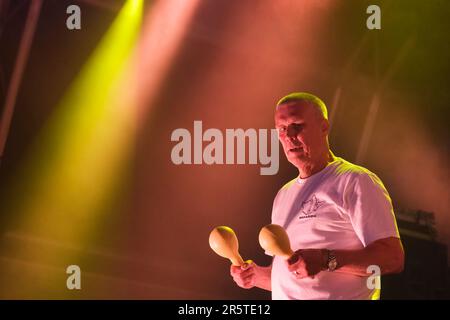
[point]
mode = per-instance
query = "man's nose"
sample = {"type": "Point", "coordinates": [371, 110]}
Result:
{"type": "Point", "coordinates": [291, 132]}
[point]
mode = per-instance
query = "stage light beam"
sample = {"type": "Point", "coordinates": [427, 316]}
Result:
{"type": "Point", "coordinates": [78, 162]}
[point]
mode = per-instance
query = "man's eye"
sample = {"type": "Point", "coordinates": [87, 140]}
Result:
{"type": "Point", "coordinates": [282, 129]}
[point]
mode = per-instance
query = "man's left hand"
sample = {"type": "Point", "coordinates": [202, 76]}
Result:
{"type": "Point", "coordinates": [307, 262]}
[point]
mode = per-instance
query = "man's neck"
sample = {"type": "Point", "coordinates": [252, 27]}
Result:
{"type": "Point", "coordinates": [313, 167]}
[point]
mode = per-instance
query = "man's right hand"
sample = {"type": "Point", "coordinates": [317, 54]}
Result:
{"type": "Point", "coordinates": [251, 275]}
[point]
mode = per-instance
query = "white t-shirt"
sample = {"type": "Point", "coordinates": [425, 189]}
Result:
{"type": "Point", "coordinates": [344, 206]}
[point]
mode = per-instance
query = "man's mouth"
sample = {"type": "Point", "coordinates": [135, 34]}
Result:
{"type": "Point", "coordinates": [296, 149]}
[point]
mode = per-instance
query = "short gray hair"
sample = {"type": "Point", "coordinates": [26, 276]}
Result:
{"type": "Point", "coordinates": [304, 96]}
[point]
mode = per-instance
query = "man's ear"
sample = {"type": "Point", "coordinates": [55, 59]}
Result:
{"type": "Point", "coordinates": [325, 127]}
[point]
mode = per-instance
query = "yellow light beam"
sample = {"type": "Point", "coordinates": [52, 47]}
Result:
{"type": "Point", "coordinates": [76, 167]}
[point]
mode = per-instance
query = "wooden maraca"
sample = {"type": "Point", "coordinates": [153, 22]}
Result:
{"type": "Point", "coordinates": [275, 241]}
{"type": "Point", "coordinates": [224, 242]}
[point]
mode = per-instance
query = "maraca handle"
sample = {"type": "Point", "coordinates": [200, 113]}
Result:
{"type": "Point", "coordinates": [288, 254]}
{"type": "Point", "coordinates": [237, 260]}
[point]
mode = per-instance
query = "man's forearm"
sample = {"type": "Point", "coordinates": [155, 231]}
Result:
{"type": "Point", "coordinates": [263, 280]}
{"type": "Point", "coordinates": [386, 254]}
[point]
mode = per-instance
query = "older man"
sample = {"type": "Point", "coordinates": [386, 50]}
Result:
{"type": "Point", "coordinates": [338, 216]}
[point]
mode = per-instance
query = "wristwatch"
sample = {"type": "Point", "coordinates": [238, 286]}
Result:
{"type": "Point", "coordinates": [331, 261]}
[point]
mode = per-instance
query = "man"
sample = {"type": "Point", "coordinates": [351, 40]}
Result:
{"type": "Point", "coordinates": [338, 216]}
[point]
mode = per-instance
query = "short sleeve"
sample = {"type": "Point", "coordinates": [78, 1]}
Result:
{"type": "Point", "coordinates": [370, 208]}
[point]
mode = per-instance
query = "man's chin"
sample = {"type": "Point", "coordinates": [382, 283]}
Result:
{"type": "Point", "coordinates": [296, 155]}
{"type": "Point", "coordinates": [298, 160]}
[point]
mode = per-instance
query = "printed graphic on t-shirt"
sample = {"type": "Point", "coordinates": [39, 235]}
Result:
{"type": "Point", "coordinates": [309, 207]}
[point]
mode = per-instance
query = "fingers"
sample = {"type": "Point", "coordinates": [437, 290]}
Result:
{"type": "Point", "coordinates": [245, 280]}
{"type": "Point", "coordinates": [247, 277]}
{"type": "Point", "coordinates": [301, 269]}
{"type": "Point", "coordinates": [244, 276]}
{"type": "Point", "coordinates": [241, 269]}
{"type": "Point", "coordinates": [294, 258]}
{"type": "Point", "coordinates": [305, 263]}
{"type": "Point", "coordinates": [241, 273]}
{"type": "Point", "coordinates": [296, 266]}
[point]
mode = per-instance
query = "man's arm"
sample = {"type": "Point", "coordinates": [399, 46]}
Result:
{"type": "Point", "coordinates": [264, 280]}
{"type": "Point", "coordinates": [386, 253]}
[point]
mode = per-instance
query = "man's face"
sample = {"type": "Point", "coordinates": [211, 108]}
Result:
{"type": "Point", "coordinates": [302, 132]}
